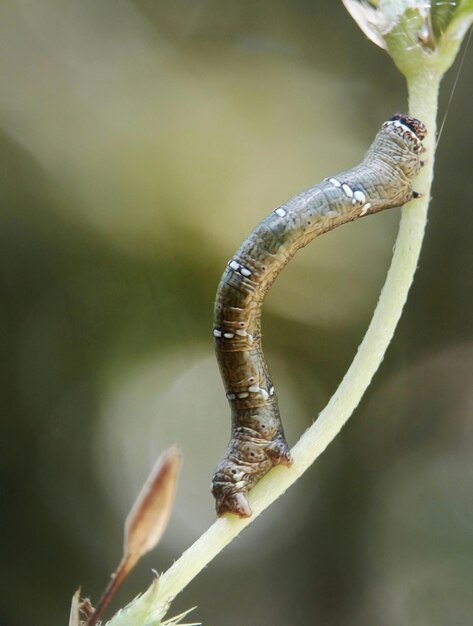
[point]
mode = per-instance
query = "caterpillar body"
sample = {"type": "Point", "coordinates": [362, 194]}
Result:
{"type": "Point", "coordinates": [381, 181]}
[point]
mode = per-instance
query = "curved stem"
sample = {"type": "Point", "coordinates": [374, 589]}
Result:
{"type": "Point", "coordinates": [423, 90]}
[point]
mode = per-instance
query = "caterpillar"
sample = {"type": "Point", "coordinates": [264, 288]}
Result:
{"type": "Point", "coordinates": [381, 181]}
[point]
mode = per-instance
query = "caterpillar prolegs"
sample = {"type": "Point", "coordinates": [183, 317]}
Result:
{"type": "Point", "coordinates": [381, 181]}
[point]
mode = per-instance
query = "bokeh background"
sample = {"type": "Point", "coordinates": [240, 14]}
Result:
{"type": "Point", "coordinates": [141, 141]}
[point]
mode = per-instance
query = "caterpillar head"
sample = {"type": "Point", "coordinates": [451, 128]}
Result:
{"type": "Point", "coordinates": [400, 145]}
{"type": "Point", "coordinates": [412, 123]}
{"type": "Point", "coordinates": [411, 130]}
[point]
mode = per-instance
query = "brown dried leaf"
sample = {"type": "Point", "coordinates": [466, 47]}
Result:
{"type": "Point", "coordinates": [150, 513]}
{"type": "Point", "coordinates": [145, 523]}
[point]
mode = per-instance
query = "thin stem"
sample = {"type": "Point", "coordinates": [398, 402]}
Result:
{"type": "Point", "coordinates": [114, 583]}
{"type": "Point", "coordinates": [423, 104]}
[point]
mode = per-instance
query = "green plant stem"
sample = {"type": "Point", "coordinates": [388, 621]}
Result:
{"type": "Point", "coordinates": [423, 88]}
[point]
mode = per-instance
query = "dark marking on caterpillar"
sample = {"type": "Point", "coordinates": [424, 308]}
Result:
{"type": "Point", "coordinates": [381, 181]}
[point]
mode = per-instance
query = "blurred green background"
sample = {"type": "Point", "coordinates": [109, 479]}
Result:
{"type": "Point", "coordinates": [141, 142]}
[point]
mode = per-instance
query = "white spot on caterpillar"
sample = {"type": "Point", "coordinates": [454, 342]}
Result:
{"type": "Point", "coordinates": [237, 267]}
{"type": "Point", "coordinates": [334, 182]}
{"type": "Point", "coordinates": [271, 391]}
{"type": "Point", "coordinates": [244, 394]}
{"type": "Point", "coordinates": [347, 190]}
{"type": "Point", "coordinates": [281, 212]}
{"type": "Point", "coordinates": [228, 335]}
{"type": "Point", "coordinates": [217, 333]}
{"type": "Point", "coordinates": [258, 389]}
{"type": "Point", "coordinates": [231, 396]}
{"type": "Point", "coordinates": [364, 208]}
{"type": "Point", "coordinates": [360, 196]}
{"type": "Point", "coordinates": [241, 333]}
